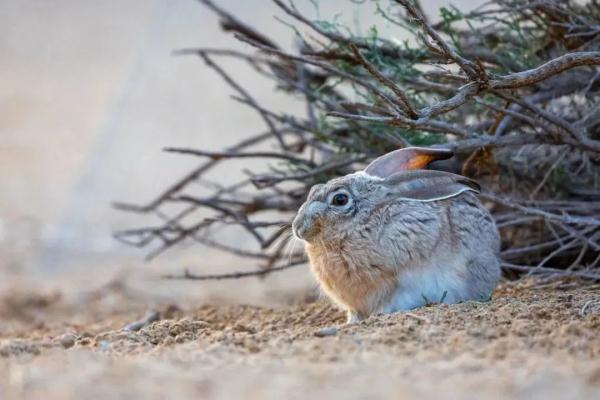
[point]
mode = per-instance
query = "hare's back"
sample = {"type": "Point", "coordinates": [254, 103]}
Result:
{"type": "Point", "coordinates": [472, 225]}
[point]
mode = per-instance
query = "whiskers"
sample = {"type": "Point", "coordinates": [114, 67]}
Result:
{"type": "Point", "coordinates": [291, 242]}
{"type": "Point", "coordinates": [288, 244]}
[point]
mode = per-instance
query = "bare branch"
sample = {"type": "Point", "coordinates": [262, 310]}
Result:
{"type": "Point", "coordinates": [402, 99]}
{"type": "Point", "coordinates": [232, 275]}
{"type": "Point", "coordinates": [545, 71]}
{"type": "Point", "coordinates": [219, 155]}
{"type": "Point", "coordinates": [415, 13]}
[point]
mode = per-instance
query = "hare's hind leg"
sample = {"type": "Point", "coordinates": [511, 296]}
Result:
{"type": "Point", "coordinates": [483, 274]}
{"type": "Point", "coordinates": [474, 231]}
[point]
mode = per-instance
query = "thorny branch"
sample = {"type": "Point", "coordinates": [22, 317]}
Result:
{"type": "Point", "coordinates": [515, 92]}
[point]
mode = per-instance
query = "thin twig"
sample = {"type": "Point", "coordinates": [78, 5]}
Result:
{"type": "Point", "coordinates": [232, 275]}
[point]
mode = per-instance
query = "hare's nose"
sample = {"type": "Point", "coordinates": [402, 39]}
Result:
{"type": "Point", "coordinates": [305, 222]}
{"type": "Point", "coordinates": [300, 227]}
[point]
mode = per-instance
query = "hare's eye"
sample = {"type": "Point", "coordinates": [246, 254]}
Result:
{"type": "Point", "coordinates": [339, 199]}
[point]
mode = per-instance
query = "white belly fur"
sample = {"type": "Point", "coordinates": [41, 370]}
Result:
{"type": "Point", "coordinates": [428, 284]}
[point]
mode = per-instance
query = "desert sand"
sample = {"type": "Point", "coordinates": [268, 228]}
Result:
{"type": "Point", "coordinates": [533, 340]}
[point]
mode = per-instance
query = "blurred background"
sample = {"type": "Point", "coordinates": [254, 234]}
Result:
{"type": "Point", "coordinates": [90, 95]}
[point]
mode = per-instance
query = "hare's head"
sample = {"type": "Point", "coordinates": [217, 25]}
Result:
{"type": "Point", "coordinates": [338, 205]}
{"type": "Point", "coordinates": [332, 206]}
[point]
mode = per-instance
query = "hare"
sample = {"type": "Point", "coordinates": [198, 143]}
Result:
{"type": "Point", "coordinates": [395, 237]}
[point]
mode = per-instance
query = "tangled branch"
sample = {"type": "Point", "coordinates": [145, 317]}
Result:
{"type": "Point", "coordinates": [515, 94]}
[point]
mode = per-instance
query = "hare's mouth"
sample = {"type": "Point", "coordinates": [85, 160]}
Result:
{"type": "Point", "coordinates": [306, 230]}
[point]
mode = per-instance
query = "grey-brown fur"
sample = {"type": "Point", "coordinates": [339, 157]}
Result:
{"type": "Point", "coordinates": [401, 241]}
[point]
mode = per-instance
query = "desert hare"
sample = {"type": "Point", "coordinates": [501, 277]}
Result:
{"type": "Point", "coordinates": [395, 237]}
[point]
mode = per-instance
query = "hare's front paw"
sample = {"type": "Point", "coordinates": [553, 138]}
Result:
{"type": "Point", "coordinates": [353, 317]}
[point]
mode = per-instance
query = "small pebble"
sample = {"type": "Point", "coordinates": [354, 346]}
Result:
{"type": "Point", "coordinates": [67, 340]}
{"type": "Point", "coordinates": [324, 332]}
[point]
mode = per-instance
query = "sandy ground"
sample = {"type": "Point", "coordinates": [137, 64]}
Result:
{"type": "Point", "coordinates": [532, 341]}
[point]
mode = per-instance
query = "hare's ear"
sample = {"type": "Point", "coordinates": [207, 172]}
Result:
{"type": "Point", "coordinates": [405, 159]}
{"type": "Point", "coordinates": [429, 185]}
